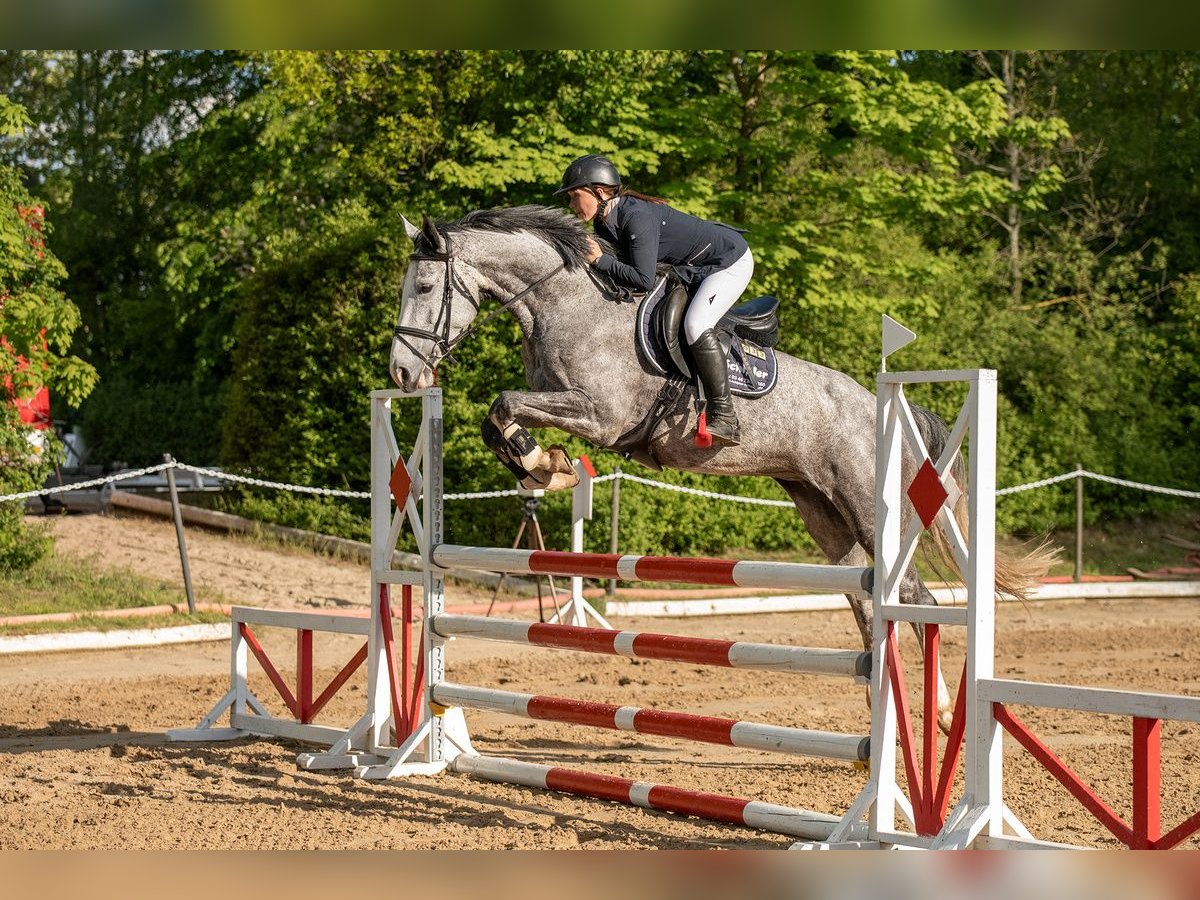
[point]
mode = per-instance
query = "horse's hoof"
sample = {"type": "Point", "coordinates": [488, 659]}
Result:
{"type": "Point", "coordinates": [562, 481]}
{"type": "Point", "coordinates": [556, 460]}
{"type": "Point", "coordinates": [945, 720]}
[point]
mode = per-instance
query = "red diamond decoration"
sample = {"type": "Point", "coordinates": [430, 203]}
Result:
{"type": "Point", "coordinates": [400, 483]}
{"type": "Point", "coordinates": [926, 493]}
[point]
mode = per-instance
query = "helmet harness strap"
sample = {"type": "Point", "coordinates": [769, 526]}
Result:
{"type": "Point", "coordinates": [601, 202]}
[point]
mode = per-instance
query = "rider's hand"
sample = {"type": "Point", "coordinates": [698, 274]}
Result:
{"type": "Point", "coordinates": [593, 252]}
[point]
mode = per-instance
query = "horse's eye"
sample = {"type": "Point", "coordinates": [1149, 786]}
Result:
{"type": "Point", "coordinates": [424, 287]}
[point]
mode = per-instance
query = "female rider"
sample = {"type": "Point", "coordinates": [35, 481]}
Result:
{"type": "Point", "coordinates": [712, 260]}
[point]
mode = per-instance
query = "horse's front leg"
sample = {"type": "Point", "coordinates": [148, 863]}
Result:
{"type": "Point", "coordinates": [506, 431]}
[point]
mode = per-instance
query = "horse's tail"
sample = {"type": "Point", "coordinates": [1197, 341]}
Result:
{"type": "Point", "coordinates": [1016, 573]}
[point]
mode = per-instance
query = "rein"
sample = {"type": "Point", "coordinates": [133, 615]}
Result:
{"type": "Point", "coordinates": [443, 344]}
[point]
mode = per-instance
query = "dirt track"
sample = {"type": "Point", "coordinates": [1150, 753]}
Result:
{"type": "Point", "coordinates": [85, 765]}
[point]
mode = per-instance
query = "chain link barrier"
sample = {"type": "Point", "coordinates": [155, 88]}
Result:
{"type": "Point", "coordinates": [696, 492]}
{"type": "Point", "coordinates": [277, 485]}
{"type": "Point", "coordinates": [1096, 476]}
{"type": "Point", "coordinates": [482, 495]}
{"type": "Point", "coordinates": [95, 482]}
{"type": "Point", "coordinates": [1033, 485]}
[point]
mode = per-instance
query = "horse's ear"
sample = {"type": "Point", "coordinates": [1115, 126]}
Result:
{"type": "Point", "coordinates": [410, 229]}
{"type": "Point", "coordinates": [435, 238]}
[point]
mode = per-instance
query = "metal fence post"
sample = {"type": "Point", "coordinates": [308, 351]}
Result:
{"type": "Point", "coordinates": [1078, 523]}
{"type": "Point", "coordinates": [178, 514]}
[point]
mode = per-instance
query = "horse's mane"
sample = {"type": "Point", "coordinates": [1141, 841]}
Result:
{"type": "Point", "coordinates": [557, 228]}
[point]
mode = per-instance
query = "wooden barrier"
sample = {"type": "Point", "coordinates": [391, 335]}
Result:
{"type": "Point", "coordinates": [707, 729]}
{"type": "Point", "coordinates": [734, 573]}
{"type": "Point", "coordinates": [249, 715]}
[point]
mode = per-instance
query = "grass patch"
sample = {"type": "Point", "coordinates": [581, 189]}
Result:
{"type": "Point", "coordinates": [1110, 548]}
{"type": "Point", "coordinates": [98, 623]}
{"type": "Point", "coordinates": [57, 584]}
{"type": "Point", "coordinates": [277, 543]}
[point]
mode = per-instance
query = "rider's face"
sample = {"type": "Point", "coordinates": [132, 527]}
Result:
{"type": "Point", "coordinates": [583, 203]}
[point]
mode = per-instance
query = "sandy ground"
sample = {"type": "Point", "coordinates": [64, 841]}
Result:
{"type": "Point", "coordinates": [84, 762]}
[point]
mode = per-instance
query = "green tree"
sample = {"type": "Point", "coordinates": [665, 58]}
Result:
{"type": "Point", "coordinates": [37, 322]}
{"type": "Point", "coordinates": [105, 157]}
{"type": "Point", "coordinates": [840, 148]}
{"type": "Point", "coordinates": [1140, 108]}
{"type": "Point", "coordinates": [1076, 312]}
{"type": "Point", "coordinates": [233, 238]}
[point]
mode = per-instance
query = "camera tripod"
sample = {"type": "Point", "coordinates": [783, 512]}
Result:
{"type": "Point", "coordinates": [535, 541]}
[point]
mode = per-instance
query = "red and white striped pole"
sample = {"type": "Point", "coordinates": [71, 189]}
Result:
{"type": "Point", "coordinates": [698, 570]}
{"type": "Point", "coordinates": [666, 647]}
{"type": "Point", "coordinates": [664, 723]}
{"type": "Point", "coordinates": [799, 823]}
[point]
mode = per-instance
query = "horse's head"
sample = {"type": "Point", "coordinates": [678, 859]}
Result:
{"type": "Point", "coordinates": [440, 299]}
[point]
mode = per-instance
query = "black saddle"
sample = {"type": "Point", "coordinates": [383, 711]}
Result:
{"type": "Point", "coordinates": [748, 334]}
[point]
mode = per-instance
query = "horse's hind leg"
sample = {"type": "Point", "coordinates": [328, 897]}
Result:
{"type": "Point", "coordinates": [913, 590]}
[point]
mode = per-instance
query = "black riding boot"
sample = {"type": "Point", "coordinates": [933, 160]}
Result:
{"type": "Point", "coordinates": [713, 371]}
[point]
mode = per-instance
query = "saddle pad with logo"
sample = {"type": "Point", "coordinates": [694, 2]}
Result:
{"type": "Point", "coordinates": [753, 370]}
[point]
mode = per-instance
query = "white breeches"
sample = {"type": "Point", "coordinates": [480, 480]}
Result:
{"type": "Point", "coordinates": [716, 294]}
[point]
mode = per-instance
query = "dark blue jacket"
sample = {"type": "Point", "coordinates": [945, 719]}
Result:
{"type": "Point", "coordinates": [645, 234]}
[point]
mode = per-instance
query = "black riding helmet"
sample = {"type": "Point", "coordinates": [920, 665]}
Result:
{"type": "Point", "coordinates": [589, 170]}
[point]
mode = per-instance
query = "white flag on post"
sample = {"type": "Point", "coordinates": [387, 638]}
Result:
{"type": "Point", "coordinates": [895, 336]}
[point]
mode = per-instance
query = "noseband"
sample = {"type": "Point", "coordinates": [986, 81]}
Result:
{"type": "Point", "coordinates": [443, 344]}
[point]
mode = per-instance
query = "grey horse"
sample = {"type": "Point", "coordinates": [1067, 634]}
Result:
{"type": "Point", "coordinates": [814, 433]}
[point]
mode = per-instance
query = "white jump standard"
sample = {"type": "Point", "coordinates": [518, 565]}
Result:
{"type": "Point", "coordinates": [247, 714]}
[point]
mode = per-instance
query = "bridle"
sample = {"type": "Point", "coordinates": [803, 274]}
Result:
{"type": "Point", "coordinates": [443, 344]}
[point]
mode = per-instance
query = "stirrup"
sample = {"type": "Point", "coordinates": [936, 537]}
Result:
{"type": "Point", "coordinates": [725, 430]}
